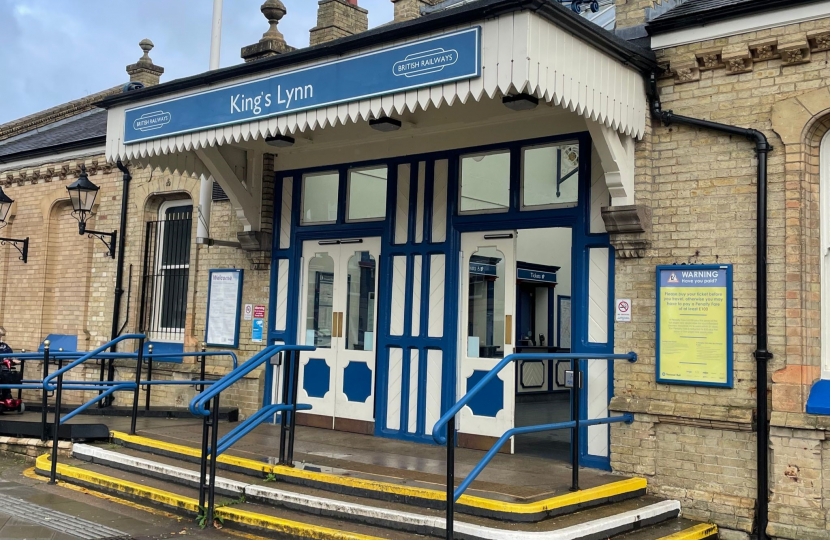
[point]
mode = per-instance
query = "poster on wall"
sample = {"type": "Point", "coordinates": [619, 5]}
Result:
{"type": "Point", "coordinates": [223, 308]}
{"type": "Point", "coordinates": [694, 325]}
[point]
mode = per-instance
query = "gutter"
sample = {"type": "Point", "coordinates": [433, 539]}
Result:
{"type": "Point", "coordinates": [762, 355]}
{"type": "Point", "coordinates": [641, 59]}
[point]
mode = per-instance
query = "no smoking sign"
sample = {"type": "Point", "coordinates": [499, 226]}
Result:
{"type": "Point", "coordinates": [623, 310]}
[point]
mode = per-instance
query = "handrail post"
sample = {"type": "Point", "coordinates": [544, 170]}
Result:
{"type": "Point", "coordinates": [149, 376]}
{"type": "Point", "coordinates": [295, 380]}
{"type": "Point", "coordinates": [285, 363]}
{"type": "Point", "coordinates": [203, 464]}
{"type": "Point", "coordinates": [203, 368]}
{"type": "Point", "coordinates": [45, 397]}
{"type": "Point", "coordinates": [576, 396]}
{"type": "Point", "coordinates": [22, 372]}
{"type": "Point", "coordinates": [450, 477]}
{"type": "Point", "coordinates": [56, 431]}
{"type": "Point", "coordinates": [138, 363]}
{"type": "Point", "coordinates": [214, 456]}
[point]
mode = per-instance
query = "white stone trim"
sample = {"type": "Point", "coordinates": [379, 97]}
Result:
{"type": "Point", "coordinates": [824, 197]}
{"type": "Point", "coordinates": [742, 25]}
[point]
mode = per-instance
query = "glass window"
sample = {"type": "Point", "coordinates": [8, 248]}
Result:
{"type": "Point", "coordinates": [485, 308]}
{"type": "Point", "coordinates": [485, 182]}
{"type": "Point", "coordinates": [320, 196]}
{"type": "Point", "coordinates": [319, 309]}
{"type": "Point", "coordinates": [550, 174]}
{"type": "Point", "coordinates": [360, 302]}
{"type": "Point", "coordinates": [367, 194]}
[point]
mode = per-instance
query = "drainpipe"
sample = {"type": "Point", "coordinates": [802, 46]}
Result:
{"type": "Point", "coordinates": [762, 355]}
{"type": "Point", "coordinates": [119, 270]}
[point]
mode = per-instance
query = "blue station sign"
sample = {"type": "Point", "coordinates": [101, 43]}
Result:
{"type": "Point", "coordinates": [428, 62]}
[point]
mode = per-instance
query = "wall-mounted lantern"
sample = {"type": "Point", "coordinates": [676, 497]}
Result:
{"type": "Point", "coordinates": [22, 246]}
{"type": "Point", "coordinates": [82, 193]}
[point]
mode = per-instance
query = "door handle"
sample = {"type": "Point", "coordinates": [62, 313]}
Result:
{"type": "Point", "coordinates": [334, 324]}
{"type": "Point", "coordinates": [340, 325]}
{"type": "Point", "coordinates": [508, 330]}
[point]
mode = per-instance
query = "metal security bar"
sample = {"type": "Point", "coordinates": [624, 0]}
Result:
{"type": "Point", "coordinates": [165, 274]}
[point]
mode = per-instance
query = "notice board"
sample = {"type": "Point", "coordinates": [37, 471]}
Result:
{"type": "Point", "coordinates": [694, 325]}
{"type": "Point", "coordinates": [223, 308]}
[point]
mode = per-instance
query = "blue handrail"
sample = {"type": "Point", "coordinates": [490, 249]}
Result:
{"type": "Point", "coordinates": [198, 403]}
{"type": "Point", "coordinates": [493, 373]}
{"type": "Point", "coordinates": [47, 381]}
{"type": "Point", "coordinates": [627, 418]}
{"type": "Point", "coordinates": [233, 436]}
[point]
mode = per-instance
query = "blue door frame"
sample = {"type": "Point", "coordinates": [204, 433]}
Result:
{"type": "Point", "coordinates": [576, 218]}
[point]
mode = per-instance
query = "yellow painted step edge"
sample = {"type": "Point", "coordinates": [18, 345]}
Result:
{"type": "Point", "coordinates": [262, 521]}
{"type": "Point", "coordinates": [561, 501]}
{"type": "Point", "coordinates": [698, 532]}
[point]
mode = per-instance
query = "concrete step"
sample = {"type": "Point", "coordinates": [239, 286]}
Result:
{"type": "Point", "coordinates": [674, 529]}
{"type": "Point", "coordinates": [602, 522]}
{"type": "Point", "coordinates": [488, 503]}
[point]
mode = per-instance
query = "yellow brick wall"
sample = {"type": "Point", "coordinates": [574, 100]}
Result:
{"type": "Point", "coordinates": [68, 284]}
{"type": "Point", "coordinates": [696, 443]}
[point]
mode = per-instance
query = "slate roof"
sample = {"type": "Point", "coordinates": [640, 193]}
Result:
{"type": "Point", "coordinates": [85, 129]}
{"type": "Point", "coordinates": [700, 12]}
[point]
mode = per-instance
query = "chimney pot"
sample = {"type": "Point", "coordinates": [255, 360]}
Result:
{"type": "Point", "coordinates": [337, 19]}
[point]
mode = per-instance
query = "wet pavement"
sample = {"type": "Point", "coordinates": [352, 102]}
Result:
{"type": "Point", "coordinates": [30, 509]}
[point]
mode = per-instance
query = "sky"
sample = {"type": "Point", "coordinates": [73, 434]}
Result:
{"type": "Point", "coordinates": [54, 51]}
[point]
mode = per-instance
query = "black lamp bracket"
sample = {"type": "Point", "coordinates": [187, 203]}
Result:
{"type": "Point", "coordinates": [103, 236]}
{"type": "Point", "coordinates": [22, 247]}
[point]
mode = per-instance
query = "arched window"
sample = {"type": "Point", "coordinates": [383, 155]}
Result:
{"type": "Point", "coordinates": [824, 155]}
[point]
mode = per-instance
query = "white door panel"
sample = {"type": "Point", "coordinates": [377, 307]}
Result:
{"type": "Point", "coordinates": [338, 315]}
{"type": "Point", "coordinates": [488, 290]}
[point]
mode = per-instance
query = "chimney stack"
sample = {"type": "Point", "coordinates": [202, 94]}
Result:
{"type": "Point", "coordinates": [337, 19]}
{"type": "Point", "coordinates": [406, 10]}
{"type": "Point", "coordinates": [272, 42]}
{"type": "Point", "coordinates": [145, 71]}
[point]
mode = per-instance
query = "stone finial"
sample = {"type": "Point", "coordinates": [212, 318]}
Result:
{"type": "Point", "coordinates": [272, 42]}
{"type": "Point", "coordinates": [337, 19]}
{"type": "Point", "coordinates": [145, 71]}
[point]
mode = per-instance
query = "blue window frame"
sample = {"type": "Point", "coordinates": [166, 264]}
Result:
{"type": "Point", "coordinates": [516, 216]}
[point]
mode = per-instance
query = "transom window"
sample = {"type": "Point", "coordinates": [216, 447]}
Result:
{"type": "Point", "coordinates": [550, 175]}
{"type": "Point", "coordinates": [549, 178]}
{"type": "Point", "coordinates": [320, 197]}
{"type": "Point", "coordinates": [485, 182]}
{"type": "Point", "coordinates": [365, 195]}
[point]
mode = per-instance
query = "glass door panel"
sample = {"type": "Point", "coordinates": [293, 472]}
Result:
{"type": "Point", "coordinates": [319, 306]}
{"type": "Point", "coordinates": [487, 327]}
{"type": "Point", "coordinates": [356, 357]}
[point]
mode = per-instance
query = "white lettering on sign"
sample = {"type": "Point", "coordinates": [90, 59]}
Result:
{"type": "Point", "coordinates": [262, 103]}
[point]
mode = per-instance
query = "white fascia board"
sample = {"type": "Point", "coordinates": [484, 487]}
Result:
{"type": "Point", "coordinates": [52, 158]}
{"type": "Point", "coordinates": [742, 25]}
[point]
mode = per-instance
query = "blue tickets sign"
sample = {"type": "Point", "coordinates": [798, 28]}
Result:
{"type": "Point", "coordinates": [535, 275]}
{"type": "Point", "coordinates": [428, 62]}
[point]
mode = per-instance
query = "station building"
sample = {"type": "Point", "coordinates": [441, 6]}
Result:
{"type": "Point", "coordinates": [480, 177]}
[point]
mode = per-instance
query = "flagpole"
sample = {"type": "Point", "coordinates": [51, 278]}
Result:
{"type": "Point", "coordinates": [206, 182]}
